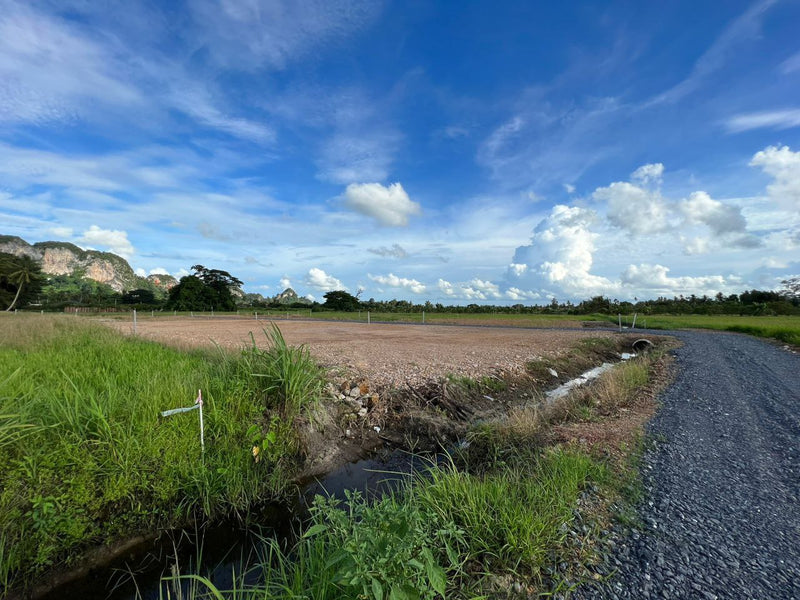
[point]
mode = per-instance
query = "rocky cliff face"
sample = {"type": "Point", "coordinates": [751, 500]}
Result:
{"type": "Point", "coordinates": [63, 258]}
{"type": "Point", "coordinates": [289, 296]}
{"type": "Point", "coordinates": [163, 281]}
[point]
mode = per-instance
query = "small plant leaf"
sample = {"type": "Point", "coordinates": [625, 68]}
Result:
{"type": "Point", "coordinates": [377, 589]}
{"type": "Point", "coordinates": [315, 529]}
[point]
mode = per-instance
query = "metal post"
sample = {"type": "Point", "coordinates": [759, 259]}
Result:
{"type": "Point", "coordinates": [202, 439]}
{"type": "Point", "coordinates": [634, 321]}
{"type": "Point", "coordinates": [368, 318]}
{"type": "Point", "coordinates": [619, 318]}
{"type": "Point", "coordinates": [423, 317]}
{"type": "Point", "coordinates": [134, 320]}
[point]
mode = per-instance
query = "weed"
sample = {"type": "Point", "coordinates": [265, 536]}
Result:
{"type": "Point", "coordinates": [481, 385]}
{"type": "Point", "coordinates": [287, 373]}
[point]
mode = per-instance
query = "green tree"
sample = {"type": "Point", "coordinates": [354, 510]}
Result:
{"type": "Point", "coordinates": [140, 296]}
{"type": "Point", "coordinates": [206, 289]}
{"type": "Point", "coordinates": [341, 300]}
{"type": "Point", "coordinates": [19, 274]}
{"type": "Point", "coordinates": [791, 288]}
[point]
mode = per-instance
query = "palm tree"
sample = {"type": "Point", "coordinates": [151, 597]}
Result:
{"type": "Point", "coordinates": [22, 272]}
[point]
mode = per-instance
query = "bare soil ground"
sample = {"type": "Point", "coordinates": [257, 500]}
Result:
{"type": "Point", "coordinates": [388, 355]}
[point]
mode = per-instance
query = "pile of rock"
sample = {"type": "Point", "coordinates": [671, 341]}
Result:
{"type": "Point", "coordinates": [356, 396]}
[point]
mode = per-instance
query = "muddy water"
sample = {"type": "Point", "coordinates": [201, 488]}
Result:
{"type": "Point", "coordinates": [218, 550]}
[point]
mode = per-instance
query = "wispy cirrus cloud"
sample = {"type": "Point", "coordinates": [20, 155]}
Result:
{"type": "Point", "coordinates": [52, 71]}
{"type": "Point", "coordinates": [774, 119]}
{"type": "Point", "coordinates": [745, 28]}
{"type": "Point", "coordinates": [241, 34]}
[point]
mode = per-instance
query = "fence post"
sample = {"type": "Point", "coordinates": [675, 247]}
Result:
{"type": "Point", "coordinates": [368, 318]}
{"type": "Point", "coordinates": [619, 318]}
{"type": "Point", "coordinates": [634, 321]}
{"type": "Point", "coordinates": [423, 317]}
{"type": "Point", "coordinates": [134, 321]}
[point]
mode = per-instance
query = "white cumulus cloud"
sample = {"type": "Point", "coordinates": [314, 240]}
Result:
{"type": "Point", "coordinates": [719, 217]}
{"type": "Point", "coordinates": [634, 208]}
{"type": "Point", "coordinates": [650, 173]}
{"type": "Point", "coordinates": [517, 269]}
{"type": "Point", "coordinates": [390, 205]}
{"type": "Point", "coordinates": [320, 280]}
{"type": "Point", "coordinates": [560, 254]}
{"type": "Point", "coordinates": [650, 280]}
{"type": "Point", "coordinates": [784, 166]}
{"type": "Point", "coordinates": [285, 283]}
{"type": "Point", "coordinates": [393, 280]}
{"type": "Point", "coordinates": [445, 287]}
{"type": "Point", "coordinates": [514, 293]}
{"type": "Point", "coordinates": [486, 288]}
{"type": "Point", "coordinates": [113, 240]}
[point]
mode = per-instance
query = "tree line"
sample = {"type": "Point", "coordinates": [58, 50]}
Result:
{"type": "Point", "coordinates": [23, 285]}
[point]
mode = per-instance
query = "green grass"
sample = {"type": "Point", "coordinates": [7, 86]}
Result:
{"type": "Point", "coordinates": [783, 328]}
{"type": "Point", "coordinates": [444, 534]}
{"type": "Point", "coordinates": [86, 457]}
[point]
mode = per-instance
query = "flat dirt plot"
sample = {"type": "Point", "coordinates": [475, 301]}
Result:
{"type": "Point", "coordinates": [387, 354]}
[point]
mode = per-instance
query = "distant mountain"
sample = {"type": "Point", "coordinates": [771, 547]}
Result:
{"type": "Point", "coordinates": [289, 296]}
{"type": "Point", "coordinates": [63, 258]}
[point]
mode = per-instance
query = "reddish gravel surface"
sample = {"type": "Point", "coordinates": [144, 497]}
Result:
{"type": "Point", "coordinates": [388, 355]}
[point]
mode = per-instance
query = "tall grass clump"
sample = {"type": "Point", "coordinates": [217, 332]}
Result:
{"type": "Point", "coordinates": [86, 457]}
{"type": "Point", "coordinates": [288, 374]}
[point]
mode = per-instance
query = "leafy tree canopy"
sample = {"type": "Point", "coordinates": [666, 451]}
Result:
{"type": "Point", "coordinates": [206, 289]}
{"type": "Point", "coordinates": [140, 296]}
{"type": "Point", "coordinates": [341, 300]}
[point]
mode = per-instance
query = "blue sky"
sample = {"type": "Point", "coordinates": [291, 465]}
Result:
{"type": "Point", "coordinates": [455, 152]}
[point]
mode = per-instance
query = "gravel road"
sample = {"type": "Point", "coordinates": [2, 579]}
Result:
{"type": "Point", "coordinates": [721, 509]}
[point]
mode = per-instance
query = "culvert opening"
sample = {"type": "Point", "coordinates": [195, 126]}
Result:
{"type": "Point", "coordinates": [642, 345]}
